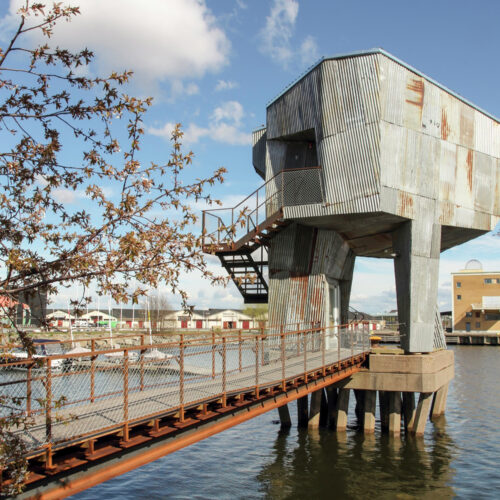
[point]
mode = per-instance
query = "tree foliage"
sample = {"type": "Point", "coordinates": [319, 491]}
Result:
{"type": "Point", "coordinates": [60, 132]}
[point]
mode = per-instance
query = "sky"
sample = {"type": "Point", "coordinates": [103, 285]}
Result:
{"type": "Point", "coordinates": [213, 65]}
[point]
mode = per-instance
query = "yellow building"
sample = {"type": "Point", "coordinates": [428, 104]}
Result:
{"type": "Point", "coordinates": [476, 299]}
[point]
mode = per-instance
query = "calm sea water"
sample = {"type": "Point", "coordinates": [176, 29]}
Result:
{"type": "Point", "coordinates": [459, 456]}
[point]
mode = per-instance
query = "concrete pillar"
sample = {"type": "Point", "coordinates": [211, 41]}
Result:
{"type": "Point", "coordinates": [323, 415]}
{"type": "Point", "coordinates": [394, 412]}
{"type": "Point", "coordinates": [422, 413]}
{"type": "Point", "coordinates": [383, 404]}
{"type": "Point", "coordinates": [439, 402]}
{"type": "Point", "coordinates": [302, 412]}
{"type": "Point", "coordinates": [342, 409]}
{"type": "Point", "coordinates": [315, 408]}
{"type": "Point", "coordinates": [332, 406]}
{"type": "Point", "coordinates": [417, 244]}
{"type": "Point", "coordinates": [408, 410]}
{"type": "Point", "coordinates": [369, 412]}
{"type": "Point", "coordinates": [286, 421]}
{"type": "Point", "coordinates": [360, 403]}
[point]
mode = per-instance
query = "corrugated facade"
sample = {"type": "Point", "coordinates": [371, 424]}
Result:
{"type": "Point", "coordinates": [408, 168]}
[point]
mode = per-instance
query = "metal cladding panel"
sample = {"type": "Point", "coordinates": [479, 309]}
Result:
{"type": "Point", "coordinates": [275, 159]}
{"type": "Point", "coordinates": [259, 151]}
{"type": "Point", "coordinates": [350, 93]}
{"type": "Point", "coordinates": [484, 175]}
{"type": "Point", "coordinates": [496, 196]}
{"type": "Point", "coordinates": [330, 254]}
{"type": "Point", "coordinates": [298, 301]}
{"type": "Point", "coordinates": [464, 187]}
{"type": "Point", "coordinates": [297, 110]}
{"type": "Point", "coordinates": [408, 161]}
{"type": "Point", "coordinates": [350, 161]}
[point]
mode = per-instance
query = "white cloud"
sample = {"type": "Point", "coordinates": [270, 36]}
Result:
{"type": "Point", "coordinates": [277, 34]}
{"type": "Point", "coordinates": [225, 126]}
{"type": "Point", "coordinates": [308, 50]}
{"type": "Point", "coordinates": [161, 40]}
{"type": "Point", "coordinates": [225, 85]}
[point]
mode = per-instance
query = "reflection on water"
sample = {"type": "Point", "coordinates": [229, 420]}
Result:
{"type": "Point", "coordinates": [459, 456]}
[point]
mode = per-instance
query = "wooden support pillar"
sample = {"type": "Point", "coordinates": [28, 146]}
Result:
{"type": "Point", "coordinates": [439, 402]}
{"type": "Point", "coordinates": [342, 409]}
{"type": "Point", "coordinates": [315, 408]}
{"type": "Point", "coordinates": [409, 410]}
{"type": "Point", "coordinates": [369, 412]}
{"type": "Point", "coordinates": [422, 413]}
{"type": "Point", "coordinates": [332, 406]}
{"type": "Point", "coordinates": [383, 404]}
{"type": "Point", "coordinates": [302, 412]}
{"type": "Point", "coordinates": [394, 412]}
{"type": "Point", "coordinates": [286, 421]}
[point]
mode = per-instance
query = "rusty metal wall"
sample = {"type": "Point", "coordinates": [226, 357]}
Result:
{"type": "Point", "coordinates": [301, 261]}
{"type": "Point", "coordinates": [435, 145]}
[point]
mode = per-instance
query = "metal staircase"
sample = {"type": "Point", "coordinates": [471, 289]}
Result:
{"type": "Point", "coordinates": [240, 236]}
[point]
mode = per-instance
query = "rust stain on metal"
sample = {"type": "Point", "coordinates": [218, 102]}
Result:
{"type": "Point", "coordinates": [470, 164]}
{"type": "Point", "coordinates": [445, 126]}
{"type": "Point", "coordinates": [417, 86]}
{"type": "Point", "coordinates": [405, 204]}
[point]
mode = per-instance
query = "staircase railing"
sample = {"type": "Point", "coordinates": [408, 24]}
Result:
{"type": "Point", "coordinates": [290, 187]}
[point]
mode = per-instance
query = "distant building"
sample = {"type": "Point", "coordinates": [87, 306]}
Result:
{"type": "Point", "coordinates": [476, 299]}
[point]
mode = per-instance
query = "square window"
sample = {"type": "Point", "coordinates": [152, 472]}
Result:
{"type": "Point", "coordinates": [459, 284]}
{"type": "Point", "coordinates": [478, 314]}
{"type": "Point", "coordinates": [459, 297]}
{"type": "Point", "coordinates": [468, 314]}
{"type": "Point", "coordinates": [488, 281]}
{"type": "Point", "coordinates": [478, 324]}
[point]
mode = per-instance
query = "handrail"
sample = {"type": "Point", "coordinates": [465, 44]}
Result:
{"type": "Point", "coordinates": [228, 228]}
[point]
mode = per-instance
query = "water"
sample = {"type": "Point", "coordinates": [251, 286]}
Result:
{"type": "Point", "coordinates": [459, 456]}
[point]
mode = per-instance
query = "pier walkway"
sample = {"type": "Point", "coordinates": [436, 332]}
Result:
{"type": "Point", "coordinates": [93, 413]}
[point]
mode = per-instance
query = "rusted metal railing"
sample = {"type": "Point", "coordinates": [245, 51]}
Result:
{"type": "Point", "coordinates": [76, 395]}
{"type": "Point", "coordinates": [228, 225]}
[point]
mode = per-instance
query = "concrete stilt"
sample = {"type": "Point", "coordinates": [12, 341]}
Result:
{"type": "Point", "coordinates": [332, 406]}
{"type": "Point", "coordinates": [394, 412]}
{"type": "Point", "coordinates": [383, 404]}
{"type": "Point", "coordinates": [360, 403]}
{"type": "Point", "coordinates": [323, 415]}
{"type": "Point", "coordinates": [286, 421]}
{"type": "Point", "coordinates": [302, 412]}
{"type": "Point", "coordinates": [439, 402]}
{"type": "Point", "coordinates": [408, 410]}
{"type": "Point", "coordinates": [315, 408]}
{"type": "Point", "coordinates": [342, 409]}
{"type": "Point", "coordinates": [369, 412]}
{"type": "Point", "coordinates": [422, 413]}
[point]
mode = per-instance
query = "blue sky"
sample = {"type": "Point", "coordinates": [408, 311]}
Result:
{"type": "Point", "coordinates": [214, 64]}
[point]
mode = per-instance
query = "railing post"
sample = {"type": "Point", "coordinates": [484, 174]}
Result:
{"type": "Point", "coordinates": [305, 356]}
{"type": "Point", "coordinates": [28, 387]}
{"type": "Point", "coordinates": [224, 372]}
{"type": "Point", "coordinates": [181, 379]}
{"type": "Point", "coordinates": [125, 395]}
{"type": "Point", "coordinates": [339, 335]}
{"type": "Point", "coordinates": [323, 335]}
{"type": "Point", "coordinates": [262, 347]}
{"type": "Point", "coordinates": [48, 401]}
{"type": "Point", "coordinates": [92, 371]}
{"type": "Point", "coordinates": [213, 355]}
{"type": "Point", "coordinates": [141, 364]}
{"type": "Point", "coordinates": [352, 344]}
{"type": "Point", "coordinates": [257, 366]}
{"type": "Point", "coordinates": [239, 351]}
{"type": "Point", "coordinates": [283, 360]}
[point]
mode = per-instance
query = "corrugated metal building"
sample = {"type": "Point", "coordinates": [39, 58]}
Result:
{"type": "Point", "coordinates": [409, 169]}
